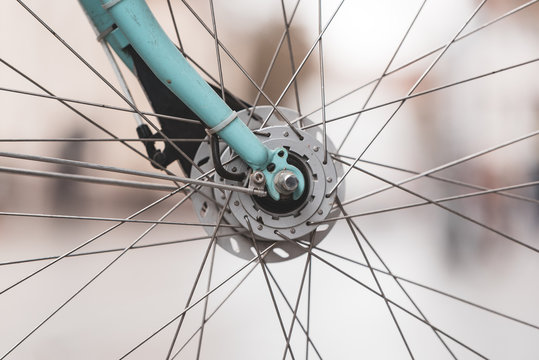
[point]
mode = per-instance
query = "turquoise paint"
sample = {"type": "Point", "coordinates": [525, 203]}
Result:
{"type": "Point", "coordinates": [138, 27]}
{"type": "Point", "coordinates": [103, 21]}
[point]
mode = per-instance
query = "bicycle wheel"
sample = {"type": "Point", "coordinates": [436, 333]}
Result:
{"type": "Point", "coordinates": [424, 118]}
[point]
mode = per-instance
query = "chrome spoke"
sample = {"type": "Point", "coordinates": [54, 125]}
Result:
{"type": "Point", "coordinates": [322, 83]}
{"type": "Point", "coordinates": [263, 254]}
{"type": "Point", "coordinates": [105, 251]}
{"type": "Point", "coordinates": [302, 64]}
{"type": "Point", "coordinates": [95, 277]}
{"type": "Point", "coordinates": [425, 92]}
{"type": "Point", "coordinates": [215, 310]}
{"type": "Point", "coordinates": [104, 80]}
{"type": "Point", "coordinates": [298, 298]}
{"type": "Point", "coordinates": [356, 238]}
{"type": "Point", "coordinates": [263, 266]}
{"type": "Point", "coordinates": [457, 213]}
{"type": "Point", "coordinates": [303, 328]}
{"type": "Point", "coordinates": [441, 179]}
{"type": "Point", "coordinates": [188, 181]}
{"type": "Point", "coordinates": [384, 74]}
{"type": "Point", "coordinates": [97, 105]}
{"type": "Point", "coordinates": [211, 245]}
{"type": "Point", "coordinates": [406, 65]}
{"type": "Point", "coordinates": [284, 35]}
{"type": "Point", "coordinates": [412, 89]}
{"type": "Point", "coordinates": [96, 218]}
{"type": "Point", "coordinates": [447, 165]}
{"type": "Point", "coordinates": [430, 288]}
{"type": "Point", "coordinates": [398, 306]}
{"type": "Point", "coordinates": [72, 251]}
{"type": "Point", "coordinates": [290, 50]}
{"type": "Point", "coordinates": [242, 69]}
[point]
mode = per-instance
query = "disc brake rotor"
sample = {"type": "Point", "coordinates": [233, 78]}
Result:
{"type": "Point", "coordinates": [271, 221]}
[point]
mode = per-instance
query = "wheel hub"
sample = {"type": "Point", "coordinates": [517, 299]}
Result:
{"type": "Point", "coordinates": [271, 220]}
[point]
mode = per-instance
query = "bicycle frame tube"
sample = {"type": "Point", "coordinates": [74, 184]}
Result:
{"type": "Point", "coordinates": [130, 22]}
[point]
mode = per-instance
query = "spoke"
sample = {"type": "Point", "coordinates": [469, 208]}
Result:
{"type": "Point", "coordinates": [425, 92]}
{"type": "Point", "coordinates": [242, 69]}
{"type": "Point", "coordinates": [305, 330]}
{"type": "Point", "coordinates": [356, 238]}
{"type": "Point", "coordinates": [173, 17]}
{"type": "Point", "coordinates": [447, 165]}
{"type": "Point", "coordinates": [459, 214]}
{"type": "Point", "coordinates": [322, 85]}
{"type": "Point", "coordinates": [263, 253]}
{"type": "Point", "coordinates": [309, 284]}
{"type": "Point", "coordinates": [412, 89]}
{"type": "Point", "coordinates": [298, 297]}
{"type": "Point", "coordinates": [94, 104]}
{"type": "Point", "coordinates": [84, 116]}
{"type": "Point", "coordinates": [384, 74]}
{"type": "Point", "coordinates": [398, 306]}
{"type": "Point", "coordinates": [130, 172]}
{"type": "Point", "coordinates": [263, 266]}
{"type": "Point", "coordinates": [218, 57]}
{"type": "Point", "coordinates": [422, 203]}
{"type": "Point", "coordinates": [97, 140]}
{"type": "Point", "coordinates": [105, 251]}
{"type": "Point", "coordinates": [353, 225]}
{"type": "Point", "coordinates": [290, 50]}
{"type": "Point", "coordinates": [284, 36]}
{"type": "Point", "coordinates": [300, 67]}
{"type": "Point", "coordinates": [88, 179]}
{"type": "Point", "coordinates": [215, 311]}
{"type": "Point", "coordinates": [442, 179]}
{"type": "Point", "coordinates": [208, 287]}
{"type": "Point", "coordinates": [454, 297]}
{"type": "Point", "coordinates": [71, 252]}
{"type": "Point", "coordinates": [197, 278]}
{"type": "Point", "coordinates": [95, 218]}
{"type": "Point", "coordinates": [97, 275]}
{"type": "Point", "coordinates": [105, 81]}
{"type": "Point", "coordinates": [509, 13]}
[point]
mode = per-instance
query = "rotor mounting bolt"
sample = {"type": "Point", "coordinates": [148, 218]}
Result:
{"type": "Point", "coordinates": [316, 148]}
{"type": "Point", "coordinates": [292, 231]}
{"type": "Point", "coordinates": [320, 212]}
{"type": "Point", "coordinates": [259, 227]}
{"type": "Point", "coordinates": [286, 182]}
{"type": "Point", "coordinates": [329, 179]}
{"type": "Point", "coordinates": [285, 134]}
{"type": "Point", "coordinates": [236, 203]}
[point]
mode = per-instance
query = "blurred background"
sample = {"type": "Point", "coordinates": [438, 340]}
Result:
{"type": "Point", "coordinates": [147, 287]}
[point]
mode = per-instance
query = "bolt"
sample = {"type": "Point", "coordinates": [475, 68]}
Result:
{"type": "Point", "coordinates": [259, 178]}
{"type": "Point", "coordinates": [292, 231]}
{"type": "Point", "coordinates": [236, 203]}
{"type": "Point", "coordinates": [259, 227]}
{"type": "Point", "coordinates": [286, 182]}
{"type": "Point", "coordinates": [329, 179]}
{"type": "Point", "coordinates": [285, 134]}
{"type": "Point", "coordinates": [320, 212]}
{"type": "Point", "coordinates": [234, 169]}
{"type": "Point", "coordinates": [316, 148]}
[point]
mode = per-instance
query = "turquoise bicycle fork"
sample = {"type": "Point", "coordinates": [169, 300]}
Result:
{"type": "Point", "coordinates": [123, 23]}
